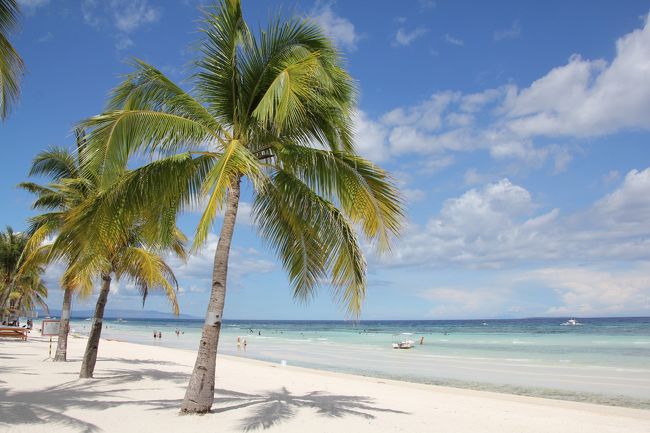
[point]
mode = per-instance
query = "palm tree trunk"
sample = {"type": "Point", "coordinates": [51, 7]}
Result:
{"type": "Point", "coordinates": [64, 327]}
{"type": "Point", "coordinates": [200, 390]}
{"type": "Point", "coordinates": [90, 355]}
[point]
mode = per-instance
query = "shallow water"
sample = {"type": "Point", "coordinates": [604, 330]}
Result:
{"type": "Point", "coordinates": [603, 360]}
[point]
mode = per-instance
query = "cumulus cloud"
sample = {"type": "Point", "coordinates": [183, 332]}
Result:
{"type": "Point", "coordinates": [340, 29]}
{"type": "Point", "coordinates": [533, 124]}
{"type": "Point", "coordinates": [196, 272]}
{"type": "Point", "coordinates": [501, 224]}
{"type": "Point", "coordinates": [588, 97]}
{"type": "Point", "coordinates": [453, 302]}
{"type": "Point", "coordinates": [596, 292]}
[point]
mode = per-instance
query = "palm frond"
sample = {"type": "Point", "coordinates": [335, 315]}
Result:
{"type": "Point", "coordinates": [55, 162]}
{"type": "Point", "coordinates": [11, 64]}
{"type": "Point", "coordinates": [149, 272]}
{"type": "Point", "coordinates": [218, 76]}
{"type": "Point", "coordinates": [287, 206]}
{"type": "Point", "coordinates": [364, 191]}
{"type": "Point", "coordinates": [235, 162]}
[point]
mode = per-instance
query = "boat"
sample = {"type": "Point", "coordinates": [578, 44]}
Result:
{"type": "Point", "coordinates": [401, 342]}
{"type": "Point", "coordinates": [571, 322]}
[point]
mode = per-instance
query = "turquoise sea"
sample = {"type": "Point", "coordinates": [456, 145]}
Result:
{"type": "Point", "coordinates": [603, 360]}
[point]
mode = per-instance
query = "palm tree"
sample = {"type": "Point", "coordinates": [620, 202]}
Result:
{"type": "Point", "coordinates": [276, 110]}
{"type": "Point", "coordinates": [132, 252]}
{"type": "Point", "coordinates": [21, 290]}
{"type": "Point", "coordinates": [68, 189]}
{"type": "Point", "coordinates": [11, 65]}
{"type": "Point", "coordinates": [132, 258]}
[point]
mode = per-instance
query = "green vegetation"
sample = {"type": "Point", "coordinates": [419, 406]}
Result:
{"type": "Point", "coordinates": [11, 65]}
{"type": "Point", "coordinates": [274, 109]}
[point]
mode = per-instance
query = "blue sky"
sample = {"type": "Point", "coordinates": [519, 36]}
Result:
{"type": "Point", "coordinates": [517, 131]}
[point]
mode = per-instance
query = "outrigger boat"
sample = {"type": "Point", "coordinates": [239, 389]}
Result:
{"type": "Point", "coordinates": [400, 342]}
{"type": "Point", "coordinates": [571, 322]}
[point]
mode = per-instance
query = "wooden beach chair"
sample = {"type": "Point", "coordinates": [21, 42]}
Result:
{"type": "Point", "coordinates": [10, 331]}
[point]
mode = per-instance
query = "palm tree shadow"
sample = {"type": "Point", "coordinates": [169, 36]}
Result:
{"type": "Point", "coordinates": [47, 406]}
{"type": "Point", "coordinates": [275, 407]}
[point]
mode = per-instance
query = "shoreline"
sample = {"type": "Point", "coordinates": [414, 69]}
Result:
{"type": "Point", "coordinates": [613, 400]}
{"type": "Point", "coordinates": [146, 385]}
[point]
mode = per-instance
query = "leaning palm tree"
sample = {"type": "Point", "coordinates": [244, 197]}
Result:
{"type": "Point", "coordinates": [21, 290]}
{"type": "Point", "coordinates": [132, 258]}
{"type": "Point", "coordinates": [114, 245]}
{"type": "Point", "coordinates": [68, 189]}
{"type": "Point", "coordinates": [276, 110]}
{"type": "Point", "coordinates": [11, 65]}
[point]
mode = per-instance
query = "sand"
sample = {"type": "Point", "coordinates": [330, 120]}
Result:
{"type": "Point", "coordinates": [139, 388]}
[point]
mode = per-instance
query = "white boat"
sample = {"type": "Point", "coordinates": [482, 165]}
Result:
{"type": "Point", "coordinates": [402, 342]}
{"type": "Point", "coordinates": [571, 322]}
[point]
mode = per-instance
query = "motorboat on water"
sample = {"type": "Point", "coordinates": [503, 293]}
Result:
{"type": "Point", "coordinates": [401, 341]}
{"type": "Point", "coordinates": [571, 322]}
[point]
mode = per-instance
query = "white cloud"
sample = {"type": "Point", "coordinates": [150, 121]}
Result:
{"type": "Point", "coordinates": [30, 6]}
{"type": "Point", "coordinates": [340, 29]}
{"type": "Point", "coordinates": [454, 40]}
{"type": "Point", "coordinates": [514, 32]}
{"type": "Point", "coordinates": [132, 14]}
{"type": "Point", "coordinates": [370, 138]}
{"type": "Point", "coordinates": [588, 97]}
{"type": "Point", "coordinates": [197, 271]}
{"type": "Point", "coordinates": [413, 195]}
{"type": "Point", "coordinates": [45, 38]}
{"type": "Point", "coordinates": [595, 292]}
{"type": "Point", "coordinates": [501, 224]}
{"type": "Point", "coordinates": [124, 42]}
{"type": "Point", "coordinates": [628, 207]}
{"type": "Point", "coordinates": [583, 98]}
{"type": "Point", "coordinates": [454, 302]}
{"type": "Point", "coordinates": [126, 16]}
{"type": "Point", "coordinates": [404, 37]}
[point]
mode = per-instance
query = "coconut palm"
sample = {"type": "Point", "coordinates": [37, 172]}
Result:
{"type": "Point", "coordinates": [133, 259]}
{"type": "Point", "coordinates": [11, 65]}
{"type": "Point", "coordinates": [67, 190]}
{"type": "Point", "coordinates": [21, 291]}
{"type": "Point", "coordinates": [276, 110]}
{"type": "Point", "coordinates": [132, 252]}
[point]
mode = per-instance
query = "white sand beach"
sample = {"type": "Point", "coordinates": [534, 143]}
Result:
{"type": "Point", "coordinates": [139, 388]}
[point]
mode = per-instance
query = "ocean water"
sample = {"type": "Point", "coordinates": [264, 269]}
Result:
{"type": "Point", "coordinates": [603, 360]}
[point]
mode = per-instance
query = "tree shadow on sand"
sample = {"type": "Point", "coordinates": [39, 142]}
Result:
{"type": "Point", "coordinates": [275, 407]}
{"type": "Point", "coordinates": [47, 406]}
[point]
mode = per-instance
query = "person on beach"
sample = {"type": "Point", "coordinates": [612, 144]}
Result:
{"type": "Point", "coordinates": [155, 335]}
{"type": "Point", "coordinates": [421, 341]}
{"type": "Point", "coordinates": [245, 344]}
{"type": "Point", "coordinates": [238, 343]}
{"type": "Point", "coordinates": [159, 335]}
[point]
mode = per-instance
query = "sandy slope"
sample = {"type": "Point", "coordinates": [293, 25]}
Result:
{"type": "Point", "coordinates": [138, 389]}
